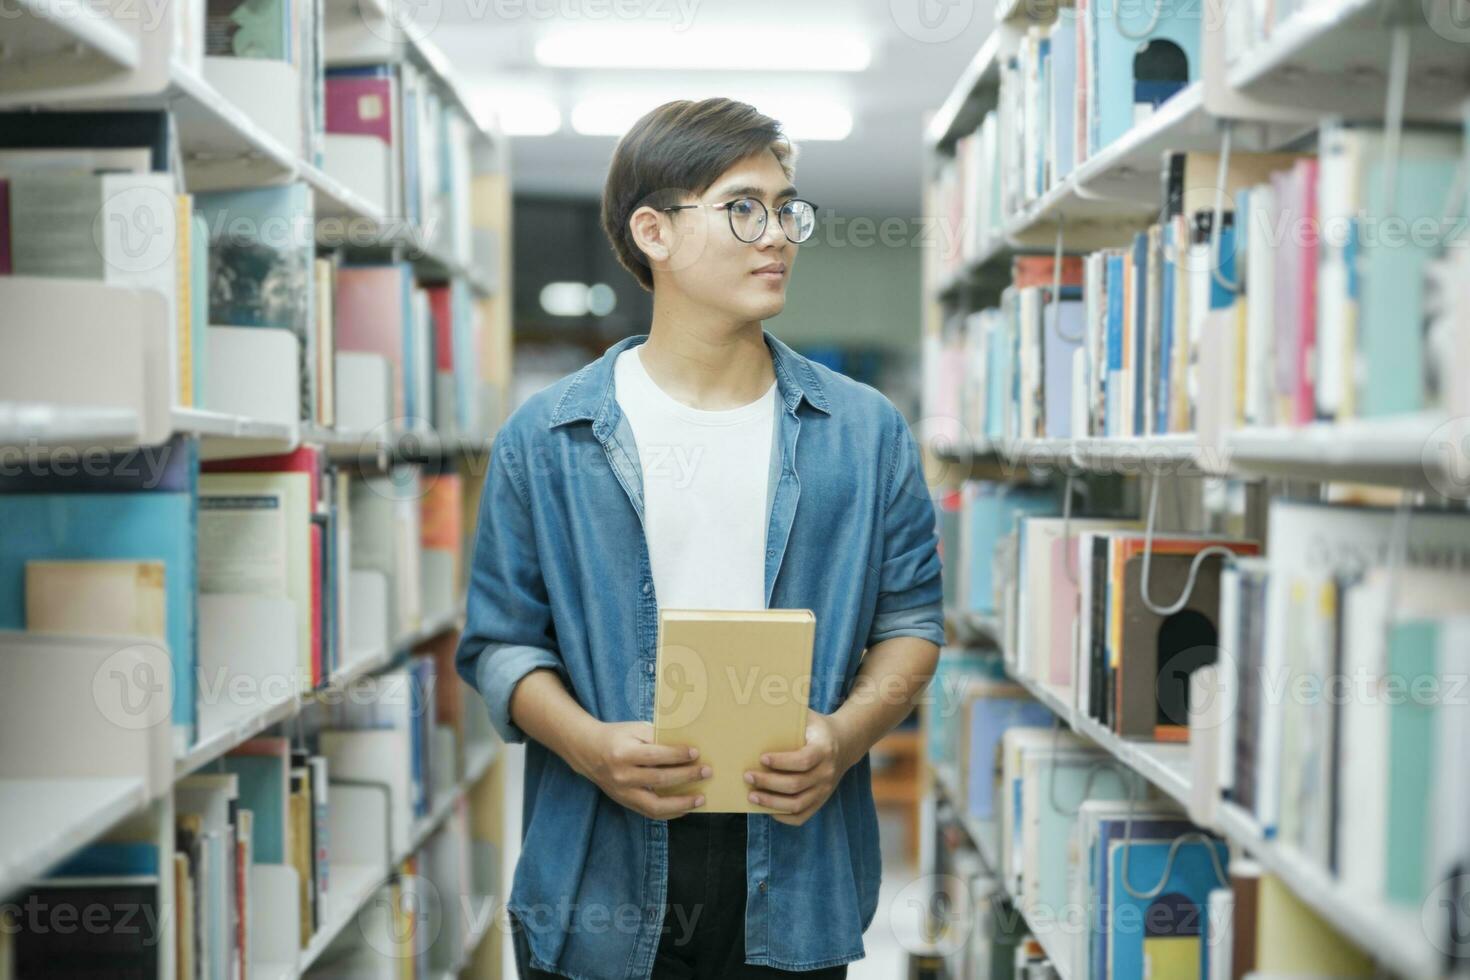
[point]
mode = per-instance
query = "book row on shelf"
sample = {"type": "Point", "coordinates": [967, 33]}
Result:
{"type": "Point", "coordinates": [363, 843]}
{"type": "Point", "coordinates": [256, 337]}
{"type": "Point", "coordinates": [1083, 873]}
{"type": "Point", "coordinates": [374, 243]}
{"type": "Point", "coordinates": [1298, 695]}
{"type": "Point", "coordinates": [1313, 301]}
{"type": "Point", "coordinates": [169, 614]}
{"type": "Point", "coordinates": [89, 228]}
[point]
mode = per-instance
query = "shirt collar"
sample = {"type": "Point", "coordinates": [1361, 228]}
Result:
{"type": "Point", "coordinates": [589, 394]}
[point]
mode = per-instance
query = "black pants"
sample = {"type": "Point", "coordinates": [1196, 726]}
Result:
{"type": "Point", "coordinates": [704, 916]}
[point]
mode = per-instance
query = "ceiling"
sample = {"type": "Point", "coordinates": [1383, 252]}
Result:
{"type": "Point", "coordinates": [919, 49]}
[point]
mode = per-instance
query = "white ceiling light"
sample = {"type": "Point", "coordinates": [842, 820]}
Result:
{"type": "Point", "coordinates": [800, 118]}
{"type": "Point", "coordinates": [564, 298]}
{"type": "Point", "coordinates": [521, 114]}
{"type": "Point", "coordinates": [731, 48]}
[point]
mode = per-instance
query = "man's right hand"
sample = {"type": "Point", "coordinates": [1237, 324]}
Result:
{"type": "Point", "coordinates": [622, 758]}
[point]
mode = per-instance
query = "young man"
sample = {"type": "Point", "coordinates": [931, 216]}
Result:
{"type": "Point", "coordinates": [704, 465]}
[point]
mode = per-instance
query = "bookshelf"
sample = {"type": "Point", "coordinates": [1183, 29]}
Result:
{"type": "Point", "coordinates": [1274, 88]}
{"type": "Point", "coordinates": [238, 125]}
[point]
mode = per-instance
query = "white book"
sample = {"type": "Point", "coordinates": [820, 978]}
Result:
{"type": "Point", "coordinates": [1260, 280]}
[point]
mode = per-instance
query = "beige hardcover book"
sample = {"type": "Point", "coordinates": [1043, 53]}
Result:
{"type": "Point", "coordinates": [733, 684]}
{"type": "Point", "coordinates": [96, 597]}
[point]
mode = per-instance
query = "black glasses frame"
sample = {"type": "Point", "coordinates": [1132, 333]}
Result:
{"type": "Point", "coordinates": [727, 205]}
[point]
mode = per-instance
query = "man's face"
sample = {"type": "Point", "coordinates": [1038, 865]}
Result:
{"type": "Point", "coordinates": [711, 265]}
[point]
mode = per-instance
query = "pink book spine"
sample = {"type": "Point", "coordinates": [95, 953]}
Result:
{"type": "Point", "coordinates": [370, 318]}
{"type": "Point", "coordinates": [441, 311]}
{"type": "Point", "coordinates": [362, 106]}
{"type": "Point", "coordinates": [1305, 396]}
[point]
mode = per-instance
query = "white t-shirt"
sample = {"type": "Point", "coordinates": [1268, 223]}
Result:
{"type": "Point", "coordinates": [705, 479]}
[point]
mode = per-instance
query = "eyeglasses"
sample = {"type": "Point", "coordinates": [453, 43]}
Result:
{"type": "Point", "coordinates": [748, 217]}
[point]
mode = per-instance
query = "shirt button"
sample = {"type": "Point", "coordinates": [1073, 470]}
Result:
{"type": "Point", "coordinates": [763, 887]}
{"type": "Point", "coordinates": [770, 552]}
{"type": "Point", "coordinates": [647, 587]}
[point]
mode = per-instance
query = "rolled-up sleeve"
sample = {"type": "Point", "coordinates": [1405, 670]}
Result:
{"type": "Point", "coordinates": [910, 597]}
{"type": "Point", "coordinates": [508, 628]}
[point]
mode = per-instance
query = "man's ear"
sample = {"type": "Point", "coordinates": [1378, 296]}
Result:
{"type": "Point", "coordinates": [650, 234]}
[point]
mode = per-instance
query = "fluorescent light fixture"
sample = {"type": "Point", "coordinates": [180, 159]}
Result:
{"type": "Point", "coordinates": [728, 48]}
{"type": "Point", "coordinates": [522, 114]}
{"type": "Point", "coordinates": [801, 118]}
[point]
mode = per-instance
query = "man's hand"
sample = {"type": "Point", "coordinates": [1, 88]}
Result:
{"type": "Point", "coordinates": [797, 783]}
{"type": "Point", "coordinates": [622, 758]}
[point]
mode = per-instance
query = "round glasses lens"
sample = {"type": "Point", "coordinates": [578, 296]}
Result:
{"type": "Point", "coordinates": [747, 218]}
{"type": "Point", "coordinates": [798, 220]}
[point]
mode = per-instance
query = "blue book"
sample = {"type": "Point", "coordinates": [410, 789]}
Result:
{"type": "Point", "coordinates": [1133, 69]}
{"type": "Point", "coordinates": [1391, 306]}
{"type": "Point", "coordinates": [133, 526]}
{"type": "Point", "coordinates": [1140, 330]}
{"type": "Point", "coordinates": [1167, 272]}
{"type": "Point", "coordinates": [264, 790]}
{"type": "Point", "coordinates": [109, 858]}
{"type": "Point", "coordinates": [262, 266]}
{"type": "Point", "coordinates": [997, 364]}
{"type": "Point", "coordinates": [466, 364]}
{"type": "Point", "coordinates": [987, 728]}
{"type": "Point", "coordinates": [993, 512]}
{"type": "Point", "coordinates": [1222, 298]}
{"type": "Point", "coordinates": [1143, 930]}
{"type": "Point", "coordinates": [1063, 94]}
{"type": "Point", "coordinates": [1064, 330]}
{"type": "Point", "coordinates": [1145, 828]}
{"type": "Point", "coordinates": [1113, 379]}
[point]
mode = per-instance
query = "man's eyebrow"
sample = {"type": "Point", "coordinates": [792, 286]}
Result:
{"type": "Point", "coordinates": [752, 191]}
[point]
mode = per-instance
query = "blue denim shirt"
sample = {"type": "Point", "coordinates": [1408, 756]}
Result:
{"type": "Point", "coordinates": [561, 580]}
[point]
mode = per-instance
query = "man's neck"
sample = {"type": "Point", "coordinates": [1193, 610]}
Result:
{"type": "Point", "coordinates": [704, 360]}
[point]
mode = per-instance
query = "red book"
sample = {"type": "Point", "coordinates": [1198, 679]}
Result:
{"type": "Point", "coordinates": [305, 459]}
{"type": "Point", "coordinates": [443, 315]}
{"type": "Point", "coordinates": [369, 317]}
{"type": "Point", "coordinates": [361, 105]}
{"type": "Point", "coordinates": [316, 605]}
{"type": "Point", "coordinates": [1304, 398]}
{"type": "Point", "coordinates": [1040, 270]}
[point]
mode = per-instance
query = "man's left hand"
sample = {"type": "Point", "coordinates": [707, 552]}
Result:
{"type": "Point", "coordinates": [797, 783]}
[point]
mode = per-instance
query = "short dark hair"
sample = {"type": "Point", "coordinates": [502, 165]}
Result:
{"type": "Point", "coordinates": [680, 148]}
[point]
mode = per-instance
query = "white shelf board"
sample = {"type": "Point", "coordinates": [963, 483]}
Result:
{"type": "Point", "coordinates": [352, 885]}
{"type": "Point", "coordinates": [1403, 450]}
{"type": "Point", "coordinates": [1116, 191]}
{"type": "Point", "coordinates": [225, 436]}
{"type": "Point", "coordinates": [984, 834]}
{"type": "Point", "coordinates": [1392, 935]}
{"type": "Point", "coordinates": [1332, 57]}
{"type": "Point", "coordinates": [963, 109]}
{"type": "Point", "coordinates": [218, 743]}
{"type": "Point", "coordinates": [29, 424]}
{"type": "Point", "coordinates": [39, 33]}
{"type": "Point", "coordinates": [356, 884]}
{"type": "Point", "coordinates": [432, 627]}
{"type": "Point", "coordinates": [47, 819]}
